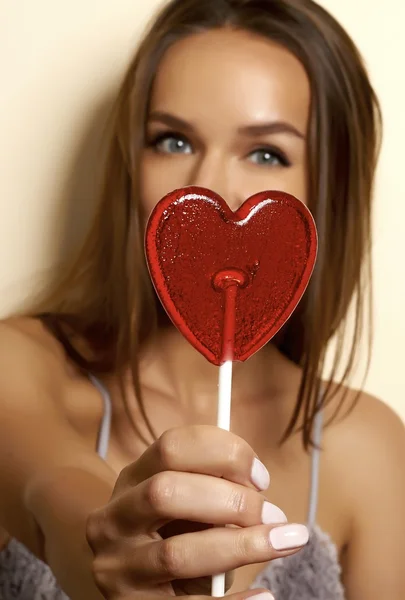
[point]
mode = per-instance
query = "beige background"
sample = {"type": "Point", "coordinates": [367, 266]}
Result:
{"type": "Point", "coordinates": [60, 64]}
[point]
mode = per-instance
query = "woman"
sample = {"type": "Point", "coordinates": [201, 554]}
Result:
{"type": "Point", "coordinates": [112, 471]}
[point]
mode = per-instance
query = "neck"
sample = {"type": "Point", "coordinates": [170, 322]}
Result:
{"type": "Point", "coordinates": [174, 369]}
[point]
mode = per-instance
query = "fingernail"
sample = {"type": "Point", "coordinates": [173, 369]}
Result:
{"type": "Point", "coordinates": [263, 596]}
{"type": "Point", "coordinates": [272, 514]}
{"type": "Point", "coordinates": [289, 536]}
{"type": "Point", "coordinates": [260, 475]}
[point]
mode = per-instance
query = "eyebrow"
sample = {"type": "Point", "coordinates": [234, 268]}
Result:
{"type": "Point", "coordinates": [247, 130]}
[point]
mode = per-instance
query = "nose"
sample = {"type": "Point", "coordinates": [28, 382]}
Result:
{"type": "Point", "coordinates": [215, 173]}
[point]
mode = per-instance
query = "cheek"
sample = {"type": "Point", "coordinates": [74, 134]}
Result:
{"type": "Point", "coordinates": [296, 182]}
{"type": "Point", "coordinates": [302, 182]}
{"type": "Point", "coordinates": [298, 185]}
{"type": "Point", "coordinates": [292, 181]}
{"type": "Point", "coordinates": [150, 186]}
{"type": "Point", "coordinates": [158, 177]}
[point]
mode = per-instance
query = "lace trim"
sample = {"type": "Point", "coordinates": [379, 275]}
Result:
{"type": "Point", "coordinates": [314, 573]}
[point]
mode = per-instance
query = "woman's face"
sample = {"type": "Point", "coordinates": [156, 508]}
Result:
{"type": "Point", "coordinates": [229, 112]}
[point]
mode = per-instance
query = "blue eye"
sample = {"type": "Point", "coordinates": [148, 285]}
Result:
{"type": "Point", "coordinates": [171, 144]}
{"type": "Point", "coordinates": [269, 157]}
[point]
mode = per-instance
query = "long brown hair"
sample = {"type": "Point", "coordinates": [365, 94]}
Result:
{"type": "Point", "coordinates": [106, 297]}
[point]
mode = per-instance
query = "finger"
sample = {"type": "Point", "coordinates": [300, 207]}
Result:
{"type": "Point", "coordinates": [207, 553]}
{"type": "Point", "coordinates": [259, 593]}
{"type": "Point", "coordinates": [171, 496]}
{"type": "Point", "coordinates": [198, 449]}
{"type": "Point", "coordinates": [202, 585]}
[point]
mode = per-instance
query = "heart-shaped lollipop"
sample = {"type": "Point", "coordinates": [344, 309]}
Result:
{"type": "Point", "coordinates": [229, 280]}
{"type": "Point", "coordinates": [198, 251]}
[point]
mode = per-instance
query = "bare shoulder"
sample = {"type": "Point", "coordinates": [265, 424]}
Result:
{"type": "Point", "coordinates": [37, 378]}
{"type": "Point", "coordinates": [370, 428]}
{"type": "Point", "coordinates": [26, 345]}
{"type": "Point", "coordinates": [38, 440]}
{"type": "Point", "coordinates": [378, 422]}
{"type": "Point", "coordinates": [366, 450]}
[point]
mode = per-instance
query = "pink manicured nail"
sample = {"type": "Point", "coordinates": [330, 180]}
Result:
{"type": "Point", "coordinates": [260, 475]}
{"type": "Point", "coordinates": [272, 514]}
{"type": "Point", "coordinates": [263, 596]}
{"type": "Point", "coordinates": [289, 536]}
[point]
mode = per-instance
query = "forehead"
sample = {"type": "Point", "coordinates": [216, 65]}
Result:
{"type": "Point", "coordinates": [231, 75]}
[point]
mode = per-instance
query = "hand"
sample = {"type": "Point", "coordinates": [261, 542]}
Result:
{"type": "Point", "coordinates": [156, 537]}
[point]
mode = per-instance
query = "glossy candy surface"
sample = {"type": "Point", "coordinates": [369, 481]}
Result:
{"type": "Point", "coordinates": [256, 262]}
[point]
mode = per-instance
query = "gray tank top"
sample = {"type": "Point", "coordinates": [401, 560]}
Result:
{"type": "Point", "coordinates": [313, 573]}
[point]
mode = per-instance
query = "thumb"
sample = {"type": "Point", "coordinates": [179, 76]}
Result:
{"type": "Point", "coordinates": [258, 594]}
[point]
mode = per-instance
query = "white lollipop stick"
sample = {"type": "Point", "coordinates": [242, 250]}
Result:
{"type": "Point", "coordinates": [224, 395]}
{"type": "Point", "coordinates": [224, 422]}
{"type": "Point", "coordinates": [227, 281]}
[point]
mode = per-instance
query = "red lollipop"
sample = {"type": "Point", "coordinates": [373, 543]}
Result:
{"type": "Point", "coordinates": [229, 280]}
{"type": "Point", "coordinates": [242, 273]}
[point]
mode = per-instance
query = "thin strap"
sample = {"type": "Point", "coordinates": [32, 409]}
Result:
{"type": "Point", "coordinates": [315, 463]}
{"type": "Point", "coordinates": [105, 427]}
